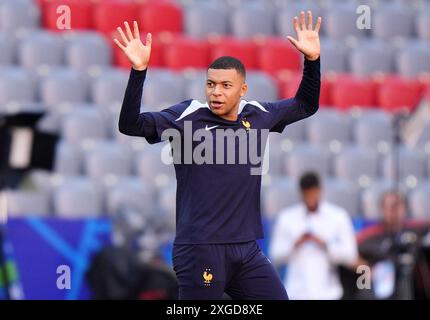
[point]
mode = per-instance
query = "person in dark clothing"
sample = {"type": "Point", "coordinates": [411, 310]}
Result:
{"type": "Point", "coordinates": [218, 216]}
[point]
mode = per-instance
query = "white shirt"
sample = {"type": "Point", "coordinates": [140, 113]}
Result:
{"type": "Point", "coordinates": [312, 269]}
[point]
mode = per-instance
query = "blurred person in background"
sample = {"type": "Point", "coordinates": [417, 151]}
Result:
{"type": "Point", "coordinates": [313, 238]}
{"type": "Point", "coordinates": [395, 250]}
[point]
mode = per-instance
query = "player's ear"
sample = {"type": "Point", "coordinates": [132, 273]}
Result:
{"type": "Point", "coordinates": [244, 89]}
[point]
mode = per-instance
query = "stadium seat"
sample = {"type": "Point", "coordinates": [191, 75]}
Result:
{"type": "Point", "coordinates": [374, 130]}
{"type": "Point", "coordinates": [396, 93]}
{"type": "Point", "coordinates": [16, 85]}
{"type": "Point", "coordinates": [340, 22]}
{"type": "Point", "coordinates": [343, 193]}
{"type": "Point", "coordinates": [307, 157]}
{"type": "Point", "coordinates": [160, 16]}
{"type": "Point", "coordinates": [419, 202]}
{"type": "Point", "coordinates": [18, 15]}
{"type": "Point", "coordinates": [286, 14]}
{"type": "Point", "coordinates": [8, 46]}
{"type": "Point", "coordinates": [405, 165]}
{"type": "Point", "coordinates": [68, 159]}
{"type": "Point", "coordinates": [328, 128]}
{"type": "Point", "coordinates": [370, 57]}
{"type": "Point", "coordinates": [243, 21]}
{"type": "Point", "coordinates": [84, 123]}
{"type": "Point", "coordinates": [203, 19]}
{"type": "Point", "coordinates": [350, 91]}
{"type": "Point", "coordinates": [185, 53]}
{"type": "Point", "coordinates": [41, 49]}
{"type": "Point", "coordinates": [276, 54]}
{"type": "Point", "coordinates": [358, 165]}
{"type": "Point", "coordinates": [244, 50]}
{"type": "Point", "coordinates": [63, 85]}
{"type": "Point", "coordinates": [196, 85]}
{"type": "Point", "coordinates": [81, 17]}
{"type": "Point", "coordinates": [78, 197]}
{"type": "Point", "coordinates": [131, 193]}
{"type": "Point", "coordinates": [107, 159]}
{"type": "Point", "coordinates": [414, 59]}
{"type": "Point", "coordinates": [392, 21]}
{"type": "Point", "coordinates": [335, 55]}
{"type": "Point", "coordinates": [261, 87]}
{"type": "Point", "coordinates": [422, 23]}
{"type": "Point", "coordinates": [278, 195]}
{"type": "Point", "coordinates": [110, 14]}
{"type": "Point", "coordinates": [25, 203]}
{"type": "Point", "coordinates": [163, 89]}
{"type": "Point", "coordinates": [108, 88]}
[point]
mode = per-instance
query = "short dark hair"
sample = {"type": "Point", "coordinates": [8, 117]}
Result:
{"type": "Point", "coordinates": [227, 62]}
{"type": "Point", "coordinates": [309, 180]}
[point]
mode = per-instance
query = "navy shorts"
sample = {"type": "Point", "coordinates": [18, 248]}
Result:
{"type": "Point", "coordinates": [241, 270]}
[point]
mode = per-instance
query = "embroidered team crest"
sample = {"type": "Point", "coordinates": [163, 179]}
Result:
{"type": "Point", "coordinates": [208, 277]}
{"type": "Point", "coordinates": [246, 124]}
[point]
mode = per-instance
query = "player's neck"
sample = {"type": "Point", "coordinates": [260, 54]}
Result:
{"type": "Point", "coordinates": [233, 115]}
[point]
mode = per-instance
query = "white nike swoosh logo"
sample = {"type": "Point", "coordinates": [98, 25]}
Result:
{"type": "Point", "coordinates": [210, 128]}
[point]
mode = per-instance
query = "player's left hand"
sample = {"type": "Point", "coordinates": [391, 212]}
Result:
{"type": "Point", "coordinates": [308, 38]}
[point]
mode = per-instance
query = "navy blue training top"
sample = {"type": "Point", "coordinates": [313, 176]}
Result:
{"type": "Point", "coordinates": [217, 201]}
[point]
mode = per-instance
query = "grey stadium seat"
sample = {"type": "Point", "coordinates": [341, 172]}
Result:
{"type": "Point", "coordinates": [335, 55]}
{"type": "Point", "coordinates": [203, 19]}
{"type": "Point", "coordinates": [84, 123]}
{"type": "Point", "coordinates": [7, 48]}
{"type": "Point", "coordinates": [63, 85]}
{"type": "Point", "coordinates": [414, 59]}
{"type": "Point", "coordinates": [163, 89]}
{"type": "Point", "coordinates": [131, 193]}
{"type": "Point", "coordinates": [327, 128]}
{"type": "Point", "coordinates": [419, 202]}
{"type": "Point", "coordinates": [374, 130]}
{"type": "Point", "coordinates": [392, 21]}
{"type": "Point", "coordinates": [285, 16]}
{"type": "Point", "coordinates": [278, 195]}
{"type": "Point", "coordinates": [261, 87]}
{"type": "Point", "coordinates": [87, 49]}
{"type": "Point", "coordinates": [195, 86]}
{"type": "Point", "coordinates": [422, 23]}
{"type": "Point", "coordinates": [16, 84]}
{"type": "Point", "coordinates": [109, 88]}
{"type": "Point", "coordinates": [22, 203]}
{"type": "Point", "coordinates": [358, 165]}
{"type": "Point", "coordinates": [18, 15]}
{"type": "Point", "coordinates": [107, 158]}
{"type": "Point", "coordinates": [405, 164]}
{"type": "Point", "coordinates": [307, 157]}
{"type": "Point", "coordinates": [78, 197]}
{"type": "Point", "coordinates": [340, 22]}
{"type": "Point", "coordinates": [343, 193]}
{"type": "Point", "coordinates": [68, 159]}
{"type": "Point", "coordinates": [243, 21]}
{"type": "Point", "coordinates": [370, 57]}
{"type": "Point", "coordinates": [41, 48]}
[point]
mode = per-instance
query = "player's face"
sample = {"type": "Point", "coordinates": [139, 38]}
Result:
{"type": "Point", "coordinates": [224, 89]}
{"type": "Point", "coordinates": [311, 198]}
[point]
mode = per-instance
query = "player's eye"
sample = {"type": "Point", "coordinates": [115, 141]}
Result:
{"type": "Point", "coordinates": [227, 85]}
{"type": "Point", "coordinates": [210, 84]}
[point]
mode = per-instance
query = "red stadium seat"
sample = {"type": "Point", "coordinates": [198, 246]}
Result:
{"type": "Point", "coordinates": [160, 16]}
{"type": "Point", "coordinates": [276, 54]}
{"type": "Point", "coordinates": [110, 14]}
{"type": "Point", "coordinates": [81, 14]}
{"type": "Point", "coordinates": [289, 82]}
{"type": "Point", "coordinates": [157, 52]}
{"type": "Point", "coordinates": [397, 93]}
{"type": "Point", "coordinates": [350, 91]}
{"type": "Point", "coordinates": [244, 50]}
{"type": "Point", "coordinates": [185, 52]}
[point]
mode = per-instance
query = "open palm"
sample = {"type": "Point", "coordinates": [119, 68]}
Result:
{"type": "Point", "coordinates": [134, 49]}
{"type": "Point", "coordinates": [307, 41]}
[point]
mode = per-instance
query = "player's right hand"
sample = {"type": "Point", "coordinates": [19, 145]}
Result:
{"type": "Point", "coordinates": [137, 53]}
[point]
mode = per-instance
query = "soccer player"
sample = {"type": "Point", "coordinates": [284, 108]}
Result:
{"type": "Point", "coordinates": [218, 216]}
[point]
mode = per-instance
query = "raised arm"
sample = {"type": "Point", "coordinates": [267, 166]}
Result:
{"type": "Point", "coordinates": [131, 121]}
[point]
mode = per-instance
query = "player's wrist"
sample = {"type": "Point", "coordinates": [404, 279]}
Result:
{"type": "Point", "coordinates": [312, 57]}
{"type": "Point", "coordinates": [140, 68]}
